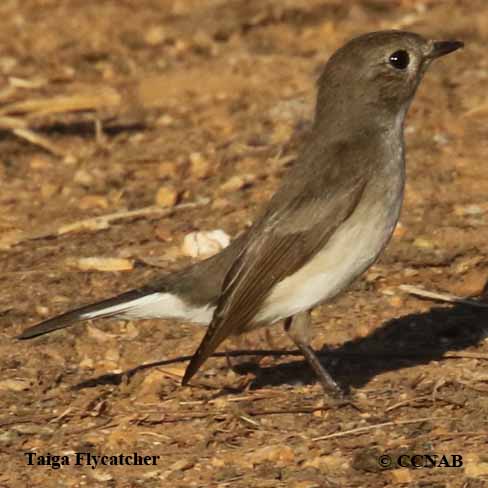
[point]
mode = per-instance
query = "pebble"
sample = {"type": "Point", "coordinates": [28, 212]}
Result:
{"type": "Point", "coordinates": [238, 182]}
{"type": "Point", "coordinates": [93, 201]}
{"type": "Point", "coordinates": [82, 177]}
{"type": "Point", "coordinates": [166, 196]}
{"type": "Point", "coordinates": [165, 120]}
{"type": "Point", "coordinates": [409, 272]}
{"type": "Point", "coordinates": [373, 275]}
{"type": "Point", "coordinates": [200, 166]}
{"type": "Point", "coordinates": [86, 363]}
{"type": "Point", "coordinates": [401, 476]}
{"type": "Point", "coordinates": [155, 35]}
{"type": "Point", "coordinates": [42, 310]}
{"type": "Point", "coordinates": [217, 462]}
{"type": "Point", "coordinates": [441, 138]}
{"type": "Point", "coordinates": [204, 244]}
{"type": "Point", "coordinates": [204, 43]}
{"type": "Point", "coordinates": [395, 301]}
{"type": "Point", "coordinates": [423, 243]}
{"type": "Point", "coordinates": [399, 231]}
{"type": "Point", "coordinates": [98, 335]}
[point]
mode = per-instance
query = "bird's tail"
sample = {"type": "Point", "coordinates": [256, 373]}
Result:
{"type": "Point", "coordinates": [110, 307]}
{"type": "Point", "coordinates": [167, 298]}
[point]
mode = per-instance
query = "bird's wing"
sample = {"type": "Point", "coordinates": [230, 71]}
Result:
{"type": "Point", "coordinates": [280, 244]}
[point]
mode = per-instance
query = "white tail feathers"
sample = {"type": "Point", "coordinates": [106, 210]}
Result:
{"type": "Point", "coordinates": [129, 305]}
{"type": "Point", "coordinates": [155, 306]}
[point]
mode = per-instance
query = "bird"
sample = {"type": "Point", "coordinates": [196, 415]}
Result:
{"type": "Point", "coordinates": [327, 223]}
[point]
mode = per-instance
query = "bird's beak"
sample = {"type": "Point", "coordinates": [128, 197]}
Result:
{"type": "Point", "coordinates": [441, 48]}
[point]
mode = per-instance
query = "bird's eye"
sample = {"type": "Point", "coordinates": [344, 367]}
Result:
{"type": "Point", "coordinates": [399, 59]}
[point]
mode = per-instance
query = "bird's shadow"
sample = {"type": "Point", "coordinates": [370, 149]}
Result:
{"type": "Point", "coordinates": [399, 343]}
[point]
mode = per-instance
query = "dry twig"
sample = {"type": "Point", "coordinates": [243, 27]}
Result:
{"type": "Point", "coordinates": [360, 430]}
{"type": "Point", "coordinates": [407, 402]}
{"type": "Point", "coordinates": [40, 141]}
{"type": "Point", "coordinates": [104, 221]}
{"type": "Point", "coordinates": [443, 297]}
{"type": "Point", "coordinates": [20, 116]}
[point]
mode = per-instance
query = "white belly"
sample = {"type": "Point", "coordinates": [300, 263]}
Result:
{"type": "Point", "coordinates": [350, 251]}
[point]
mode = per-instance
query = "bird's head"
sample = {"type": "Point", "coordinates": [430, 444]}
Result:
{"type": "Point", "coordinates": [377, 73]}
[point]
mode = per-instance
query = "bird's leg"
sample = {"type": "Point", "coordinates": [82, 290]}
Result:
{"type": "Point", "coordinates": [299, 330]}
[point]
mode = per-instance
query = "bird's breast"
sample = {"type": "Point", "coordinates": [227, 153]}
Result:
{"type": "Point", "coordinates": [353, 247]}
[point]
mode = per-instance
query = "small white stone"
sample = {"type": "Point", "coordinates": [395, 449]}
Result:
{"type": "Point", "coordinates": [204, 244]}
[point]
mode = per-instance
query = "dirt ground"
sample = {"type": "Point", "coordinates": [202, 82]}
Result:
{"type": "Point", "coordinates": [125, 104]}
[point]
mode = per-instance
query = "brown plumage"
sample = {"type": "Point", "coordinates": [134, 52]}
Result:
{"type": "Point", "coordinates": [329, 221]}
